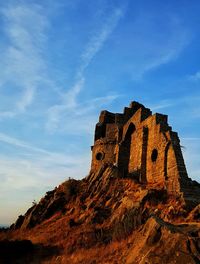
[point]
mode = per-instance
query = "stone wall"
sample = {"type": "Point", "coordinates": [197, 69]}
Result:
{"type": "Point", "coordinates": [142, 146]}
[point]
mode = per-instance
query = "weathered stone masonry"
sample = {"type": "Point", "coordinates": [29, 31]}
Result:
{"type": "Point", "coordinates": [142, 146]}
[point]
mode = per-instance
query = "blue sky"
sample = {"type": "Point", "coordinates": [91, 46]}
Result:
{"type": "Point", "coordinates": [62, 62]}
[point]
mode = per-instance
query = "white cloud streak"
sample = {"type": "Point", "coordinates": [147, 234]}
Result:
{"type": "Point", "coordinates": [56, 158]}
{"type": "Point", "coordinates": [151, 46]}
{"type": "Point", "coordinates": [195, 77]}
{"type": "Point", "coordinates": [69, 99]}
{"type": "Point", "coordinates": [98, 40]}
{"type": "Point", "coordinates": [162, 105]}
{"type": "Point", "coordinates": [77, 120]}
{"type": "Point", "coordinates": [25, 179]}
{"type": "Point", "coordinates": [22, 62]}
{"type": "Point", "coordinates": [29, 175]}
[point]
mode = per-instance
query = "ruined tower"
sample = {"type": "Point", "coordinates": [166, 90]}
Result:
{"type": "Point", "coordinates": [142, 146]}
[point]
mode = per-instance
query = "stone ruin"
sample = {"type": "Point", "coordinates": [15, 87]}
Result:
{"type": "Point", "coordinates": [143, 147]}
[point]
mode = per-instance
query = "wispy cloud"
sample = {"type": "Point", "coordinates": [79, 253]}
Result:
{"type": "Point", "coordinates": [179, 40]}
{"type": "Point", "coordinates": [26, 179]}
{"type": "Point", "coordinates": [191, 102]}
{"type": "Point", "coordinates": [77, 120]}
{"type": "Point", "coordinates": [22, 61]}
{"type": "Point", "coordinates": [96, 42]}
{"type": "Point", "coordinates": [152, 43]}
{"type": "Point", "coordinates": [194, 77]}
{"type": "Point", "coordinates": [191, 138]}
{"type": "Point", "coordinates": [56, 158]}
{"type": "Point", "coordinates": [162, 105]}
{"type": "Point", "coordinates": [32, 172]}
{"type": "Point", "coordinates": [18, 143]}
{"type": "Point", "coordinates": [94, 45]}
{"type": "Point", "coordinates": [69, 99]}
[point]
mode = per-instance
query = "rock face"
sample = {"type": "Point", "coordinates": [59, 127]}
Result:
{"type": "Point", "coordinates": [137, 205]}
{"type": "Point", "coordinates": [144, 147]}
{"type": "Point", "coordinates": [107, 219]}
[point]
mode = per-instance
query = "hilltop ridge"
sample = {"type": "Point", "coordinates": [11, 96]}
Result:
{"type": "Point", "coordinates": [137, 205]}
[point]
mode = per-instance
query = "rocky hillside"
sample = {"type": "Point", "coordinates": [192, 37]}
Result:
{"type": "Point", "coordinates": [104, 219]}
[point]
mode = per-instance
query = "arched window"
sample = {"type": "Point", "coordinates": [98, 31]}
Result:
{"type": "Point", "coordinates": [125, 149]}
{"type": "Point", "coordinates": [166, 160]}
{"type": "Point", "coordinates": [129, 131]}
{"type": "Point", "coordinates": [154, 155]}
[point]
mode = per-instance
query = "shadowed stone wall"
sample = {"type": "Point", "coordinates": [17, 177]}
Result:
{"type": "Point", "coordinates": [142, 146]}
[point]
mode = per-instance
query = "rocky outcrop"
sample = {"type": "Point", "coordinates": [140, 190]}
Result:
{"type": "Point", "coordinates": [136, 224]}
{"type": "Point", "coordinates": [54, 201]}
{"type": "Point", "coordinates": [136, 206]}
